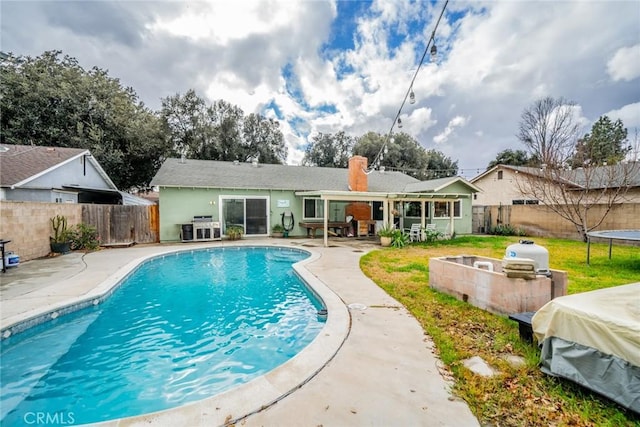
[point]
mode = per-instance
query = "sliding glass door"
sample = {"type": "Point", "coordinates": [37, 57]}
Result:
{"type": "Point", "coordinates": [250, 213]}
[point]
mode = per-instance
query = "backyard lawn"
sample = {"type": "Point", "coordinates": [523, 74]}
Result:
{"type": "Point", "coordinates": [520, 396]}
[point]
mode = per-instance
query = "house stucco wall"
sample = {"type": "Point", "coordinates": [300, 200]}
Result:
{"type": "Point", "coordinates": [73, 173]}
{"type": "Point", "coordinates": [179, 205]}
{"type": "Point", "coordinates": [497, 191]}
{"type": "Point", "coordinates": [41, 195]}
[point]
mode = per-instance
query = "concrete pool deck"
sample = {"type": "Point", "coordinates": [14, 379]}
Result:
{"type": "Point", "coordinates": [382, 372]}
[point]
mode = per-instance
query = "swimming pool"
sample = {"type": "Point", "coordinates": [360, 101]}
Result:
{"type": "Point", "coordinates": [175, 359]}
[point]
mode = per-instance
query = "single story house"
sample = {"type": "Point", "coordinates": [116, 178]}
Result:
{"type": "Point", "coordinates": [354, 201]}
{"type": "Point", "coordinates": [31, 173]}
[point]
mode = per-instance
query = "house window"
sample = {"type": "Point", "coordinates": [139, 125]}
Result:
{"type": "Point", "coordinates": [313, 209]}
{"type": "Point", "coordinates": [441, 209]}
{"type": "Point", "coordinates": [499, 174]}
{"type": "Point", "coordinates": [524, 202]}
{"type": "Point", "coordinates": [413, 209]}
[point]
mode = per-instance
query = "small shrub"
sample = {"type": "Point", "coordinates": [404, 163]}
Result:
{"type": "Point", "coordinates": [431, 236]}
{"type": "Point", "coordinates": [234, 232]}
{"type": "Point", "coordinates": [400, 239]}
{"type": "Point", "coordinates": [84, 236]}
{"type": "Point", "coordinates": [507, 230]}
{"type": "Point", "coordinates": [387, 231]}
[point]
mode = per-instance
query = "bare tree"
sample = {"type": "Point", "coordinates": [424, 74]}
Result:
{"type": "Point", "coordinates": [573, 193]}
{"type": "Point", "coordinates": [549, 131]}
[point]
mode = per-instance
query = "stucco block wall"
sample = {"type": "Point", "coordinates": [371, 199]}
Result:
{"type": "Point", "coordinates": [27, 225]}
{"type": "Point", "coordinates": [540, 220]}
{"type": "Point", "coordinates": [493, 290]}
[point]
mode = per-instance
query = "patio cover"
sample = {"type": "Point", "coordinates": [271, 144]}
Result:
{"type": "Point", "coordinates": [386, 197]}
{"type": "Point", "coordinates": [593, 338]}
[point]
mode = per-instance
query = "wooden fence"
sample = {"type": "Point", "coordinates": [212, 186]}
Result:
{"type": "Point", "coordinates": [123, 225]}
{"type": "Point", "coordinates": [27, 224]}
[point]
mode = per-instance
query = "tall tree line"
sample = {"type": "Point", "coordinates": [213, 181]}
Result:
{"type": "Point", "coordinates": [51, 100]}
{"type": "Point", "coordinates": [398, 152]}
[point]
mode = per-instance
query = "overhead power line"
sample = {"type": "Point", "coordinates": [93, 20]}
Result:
{"type": "Point", "coordinates": [430, 47]}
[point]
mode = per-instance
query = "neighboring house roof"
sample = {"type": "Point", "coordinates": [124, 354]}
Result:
{"type": "Point", "coordinates": [20, 164]}
{"type": "Point", "coordinates": [217, 174]}
{"type": "Point", "coordinates": [599, 177]}
{"type": "Point", "coordinates": [130, 199]}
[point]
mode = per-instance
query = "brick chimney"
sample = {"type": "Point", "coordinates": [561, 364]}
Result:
{"type": "Point", "coordinates": [357, 175]}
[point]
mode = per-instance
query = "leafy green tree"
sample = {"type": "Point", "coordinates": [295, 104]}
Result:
{"type": "Point", "coordinates": [329, 150]}
{"type": "Point", "coordinates": [510, 157]}
{"type": "Point", "coordinates": [51, 100]}
{"type": "Point", "coordinates": [439, 165]}
{"type": "Point", "coordinates": [605, 144]}
{"type": "Point", "coordinates": [263, 140]}
{"type": "Point", "coordinates": [184, 119]}
{"type": "Point", "coordinates": [403, 153]}
{"type": "Point", "coordinates": [220, 131]}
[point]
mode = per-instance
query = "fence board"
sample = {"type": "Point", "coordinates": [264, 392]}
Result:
{"type": "Point", "coordinates": [119, 224]}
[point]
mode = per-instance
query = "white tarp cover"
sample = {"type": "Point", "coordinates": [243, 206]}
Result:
{"type": "Point", "coordinates": [606, 319]}
{"type": "Point", "coordinates": [593, 338]}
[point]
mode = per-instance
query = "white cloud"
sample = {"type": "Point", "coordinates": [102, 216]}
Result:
{"type": "Point", "coordinates": [221, 22]}
{"type": "Point", "coordinates": [457, 121]}
{"type": "Point", "coordinates": [494, 61]}
{"type": "Point", "coordinates": [625, 64]}
{"type": "Point", "coordinates": [629, 114]}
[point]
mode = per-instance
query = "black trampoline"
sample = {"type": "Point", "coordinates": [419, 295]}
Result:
{"type": "Point", "coordinates": [611, 235]}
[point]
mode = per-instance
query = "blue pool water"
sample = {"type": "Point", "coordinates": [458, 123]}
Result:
{"type": "Point", "coordinates": [180, 328]}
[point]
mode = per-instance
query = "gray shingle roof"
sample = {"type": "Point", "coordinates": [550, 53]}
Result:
{"type": "Point", "coordinates": [216, 174]}
{"type": "Point", "coordinates": [20, 162]}
{"type": "Point", "coordinates": [611, 176]}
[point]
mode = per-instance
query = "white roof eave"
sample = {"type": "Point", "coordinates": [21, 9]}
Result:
{"type": "Point", "coordinates": [379, 196]}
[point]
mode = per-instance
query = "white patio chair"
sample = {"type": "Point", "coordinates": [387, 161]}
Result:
{"type": "Point", "coordinates": [415, 233]}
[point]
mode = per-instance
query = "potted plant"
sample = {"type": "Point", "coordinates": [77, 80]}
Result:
{"type": "Point", "coordinates": [386, 234]}
{"type": "Point", "coordinates": [234, 232]}
{"type": "Point", "coordinates": [60, 242]}
{"type": "Point", "coordinates": [277, 230]}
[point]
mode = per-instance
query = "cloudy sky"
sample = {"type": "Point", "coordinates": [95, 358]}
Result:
{"type": "Point", "coordinates": [327, 66]}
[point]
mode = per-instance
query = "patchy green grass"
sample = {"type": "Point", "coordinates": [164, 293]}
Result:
{"type": "Point", "coordinates": [521, 396]}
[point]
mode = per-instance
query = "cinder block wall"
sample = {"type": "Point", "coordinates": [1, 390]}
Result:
{"type": "Point", "coordinates": [493, 290]}
{"type": "Point", "coordinates": [28, 227]}
{"type": "Point", "coordinates": [539, 220]}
